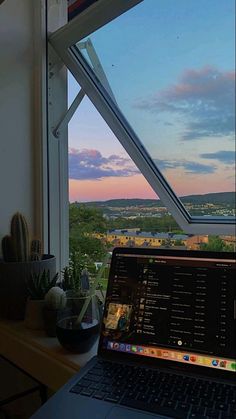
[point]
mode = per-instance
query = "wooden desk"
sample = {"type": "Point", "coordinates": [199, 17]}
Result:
{"type": "Point", "coordinates": [38, 355]}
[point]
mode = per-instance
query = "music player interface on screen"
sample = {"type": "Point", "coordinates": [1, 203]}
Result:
{"type": "Point", "coordinates": [162, 307]}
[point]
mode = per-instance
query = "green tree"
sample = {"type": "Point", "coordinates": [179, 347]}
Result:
{"type": "Point", "coordinates": [83, 221]}
{"type": "Point", "coordinates": [152, 224]}
{"type": "Point", "coordinates": [88, 219]}
{"type": "Point", "coordinates": [178, 243]}
{"type": "Point", "coordinates": [216, 244]}
{"type": "Point", "coordinates": [90, 246]}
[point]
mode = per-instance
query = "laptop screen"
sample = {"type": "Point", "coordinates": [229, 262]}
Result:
{"type": "Point", "coordinates": [178, 306]}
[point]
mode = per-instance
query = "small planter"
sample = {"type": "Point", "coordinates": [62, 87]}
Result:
{"type": "Point", "coordinates": [13, 290]}
{"type": "Point", "coordinates": [34, 314]}
{"type": "Point", "coordinates": [79, 337]}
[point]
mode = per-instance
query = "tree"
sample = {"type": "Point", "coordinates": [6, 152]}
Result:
{"type": "Point", "coordinates": [86, 218]}
{"type": "Point", "coordinates": [216, 244]}
{"type": "Point", "coordinates": [90, 246]}
{"type": "Point", "coordinates": [82, 222]}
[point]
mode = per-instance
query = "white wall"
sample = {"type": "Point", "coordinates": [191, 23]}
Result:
{"type": "Point", "coordinates": [23, 119]}
{"type": "Point", "coordinates": [16, 111]}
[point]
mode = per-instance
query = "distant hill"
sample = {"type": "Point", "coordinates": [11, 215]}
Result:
{"type": "Point", "coordinates": [213, 198]}
{"type": "Point", "coordinates": [224, 198]}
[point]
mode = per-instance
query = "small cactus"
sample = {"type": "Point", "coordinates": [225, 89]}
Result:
{"type": "Point", "coordinates": [20, 237]}
{"type": "Point", "coordinates": [71, 275]}
{"type": "Point", "coordinates": [36, 250]}
{"type": "Point", "coordinates": [55, 299]}
{"type": "Point", "coordinates": [34, 257]}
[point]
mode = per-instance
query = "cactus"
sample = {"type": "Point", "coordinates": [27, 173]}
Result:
{"type": "Point", "coordinates": [55, 299]}
{"type": "Point", "coordinates": [34, 257]}
{"type": "Point", "coordinates": [36, 250]}
{"type": "Point", "coordinates": [8, 249]}
{"type": "Point", "coordinates": [15, 248]}
{"type": "Point", "coordinates": [71, 279]}
{"type": "Point", "coordinates": [20, 237]}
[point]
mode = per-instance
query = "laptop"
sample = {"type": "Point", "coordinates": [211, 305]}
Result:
{"type": "Point", "coordinates": [167, 345]}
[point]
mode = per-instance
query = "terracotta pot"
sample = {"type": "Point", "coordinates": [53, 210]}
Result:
{"type": "Point", "coordinates": [13, 290]}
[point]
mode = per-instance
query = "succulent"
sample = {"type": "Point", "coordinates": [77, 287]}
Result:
{"type": "Point", "coordinates": [39, 284]}
{"type": "Point", "coordinates": [55, 299]}
{"type": "Point", "coordinates": [16, 247]}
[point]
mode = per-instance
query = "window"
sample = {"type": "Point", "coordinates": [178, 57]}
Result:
{"type": "Point", "coordinates": [210, 153]}
{"type": "Point", "coordinates": [194, 73]}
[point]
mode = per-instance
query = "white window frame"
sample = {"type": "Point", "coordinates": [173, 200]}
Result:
{"type": "Point", "coordinates": [63, 41]}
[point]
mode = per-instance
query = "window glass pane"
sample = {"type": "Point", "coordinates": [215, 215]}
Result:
{"type": "Point", "coordinates": [111, 204]}
{"type": "Point", "coordinates": [170, 66]}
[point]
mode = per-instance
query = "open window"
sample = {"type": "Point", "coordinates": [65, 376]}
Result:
{"type": "Point", "coordinates": [165, 88]}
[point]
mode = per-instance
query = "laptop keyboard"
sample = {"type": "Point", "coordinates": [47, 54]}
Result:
{"type": "Point", "coordinates": [158, 392]}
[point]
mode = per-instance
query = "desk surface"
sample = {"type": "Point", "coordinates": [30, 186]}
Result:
{"type": "Point", "coordinates": [40, 356]}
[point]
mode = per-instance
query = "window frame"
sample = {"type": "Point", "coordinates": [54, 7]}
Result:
{"type": "Point", "coordinates": [63, 41]}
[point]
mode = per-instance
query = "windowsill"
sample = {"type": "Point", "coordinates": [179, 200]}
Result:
{"type": "Point", "coordinates": [40, 356]}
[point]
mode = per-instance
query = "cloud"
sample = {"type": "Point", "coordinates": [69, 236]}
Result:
{"type": "Point", "coordinates": [223, 156]}
{"type": "Point", "coordinates": [90, 164]}
{"type": "Point", "coordinates": [188, 166]}
{"type": "Point", "coordinates": [205, 98]}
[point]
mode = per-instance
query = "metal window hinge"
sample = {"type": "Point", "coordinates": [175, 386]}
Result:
{"type": "Point", "coordinates": [100, 73]}
{"type": "Point", "coordinates": [68, 115]}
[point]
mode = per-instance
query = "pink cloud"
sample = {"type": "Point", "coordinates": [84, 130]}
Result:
{"type": "Point", "coordinates": [91, 164]}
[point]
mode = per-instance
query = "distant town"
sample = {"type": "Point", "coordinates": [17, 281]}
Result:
{"type": "Point", "coordinates": [215, 204]}
{"type": "Point", "coordinates": [147, 223]}
{"type": "Point", "coordinates": [97, 227]}
{"type": "Point", "coordinates": [137, 238]}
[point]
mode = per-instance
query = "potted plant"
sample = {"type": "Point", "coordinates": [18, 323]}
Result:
{"type": "Point", "coordinates": [77, 331]}
{"type": "Point", "coordinates": [21, 258]}
{"type": "Point", "coordinates": [53, 310]}
{"type": "Point", "coordinates": [38, 286]}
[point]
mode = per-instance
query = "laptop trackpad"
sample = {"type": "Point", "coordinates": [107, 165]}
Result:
{"type": "Point", "coordinates": [125, 413]}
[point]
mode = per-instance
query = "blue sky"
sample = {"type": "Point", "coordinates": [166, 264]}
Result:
{"type": "Point", "coordinates": [171, 67]}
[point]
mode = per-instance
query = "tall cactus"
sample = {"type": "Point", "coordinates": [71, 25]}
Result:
{"type": "Point", "coordinates": [20, 237]}
{"type": "Point", "coordinates": [16, 247]}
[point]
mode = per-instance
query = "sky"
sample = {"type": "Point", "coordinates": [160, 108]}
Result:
{"type": "Point", "coordinates": [171, 67]}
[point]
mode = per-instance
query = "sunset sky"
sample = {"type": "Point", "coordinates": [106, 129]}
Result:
{"type": "Point", "coordinates": [170, 66]}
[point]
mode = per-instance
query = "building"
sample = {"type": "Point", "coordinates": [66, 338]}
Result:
{"type": "Point", "coordinates": [146, 239]}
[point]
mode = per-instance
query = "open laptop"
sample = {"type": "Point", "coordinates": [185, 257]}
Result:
{"type": "Point", "coordinates": [167, 345]}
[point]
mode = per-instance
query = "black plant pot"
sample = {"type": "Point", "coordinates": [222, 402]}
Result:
{"type": "Point", "coordinates": [79, 337]}
{"type": "Point", "coordinates": [51, 317]}
{"type": "Point", "coordinates": [13, 290]}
